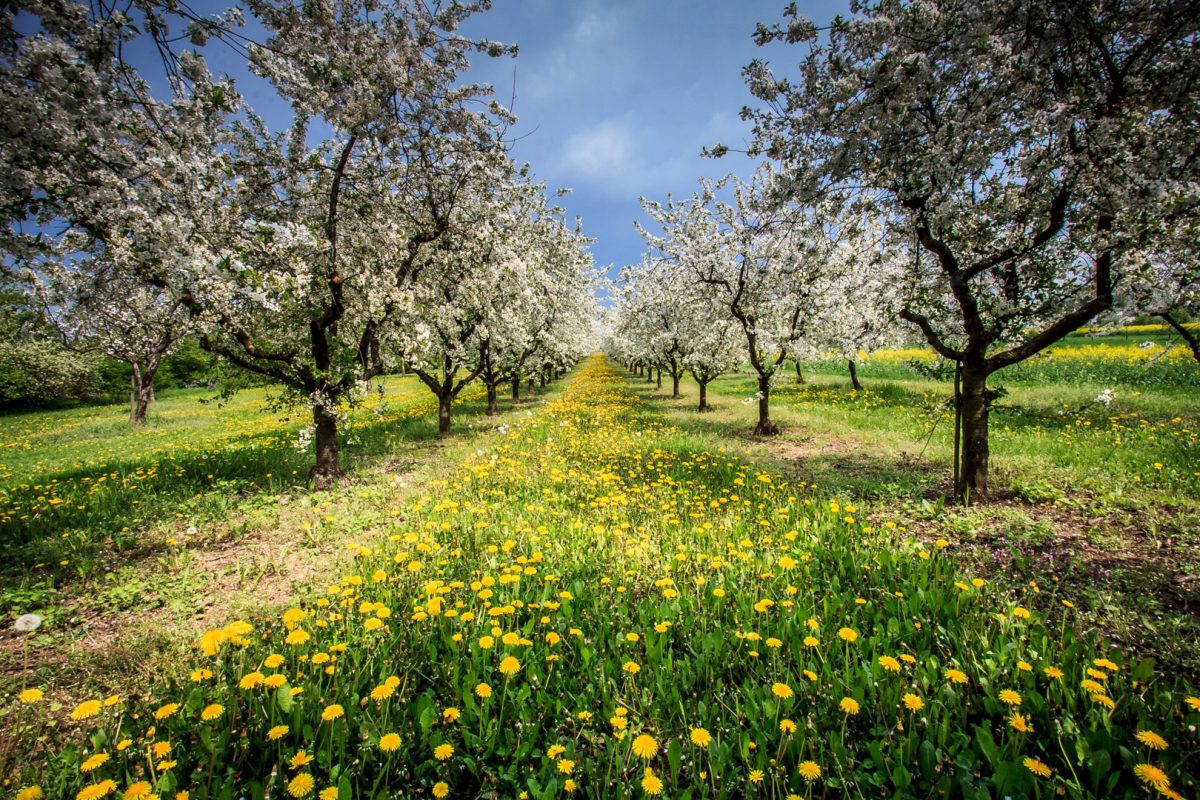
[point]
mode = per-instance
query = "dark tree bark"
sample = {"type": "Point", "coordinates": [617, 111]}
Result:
{"type": "Point", "coordinates": [516, 389]}
{"type": "Point", "coordinates": [703, 396]}
{"type": "Point", "coordinates": [765, 426]}
{"type": "Point", "coordinates": [327, 469]}
{"type": "Point", "coordinates": [658, 377]}
{"type": "Point", "coordinates": [854, 375]}
{"type": "Point", "coordinates": [492, 408]}
{"type": "Point", "coordinates": [675, 384]}
{"type": "Point", "coordinates": [1192, 340]}
{"type": "Point", "coordinates": [141, 392]}
{"type": "Point", "coordinates": [799, 375]}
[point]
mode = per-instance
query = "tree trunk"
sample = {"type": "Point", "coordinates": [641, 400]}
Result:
{"type": "Point", "coordinates": [973, 475]}
{"type": "Point", "coordinates": [658, 378]}
{"type": "Point", "coordinates": [141, 394]}
{"type": "Point", "coordinates": [675, 385]}
{"type": "Point", "coordinates": [703, 395]}
{"type": "Point", "coordinates": [516, 390]}
{"type": "Point", "coordinates": [530, 387]}
{"type": "Point", "coordinates": [799, 375]}
{"type": "Point", "coordinates": [1190, 338]}
{"type": "Point", "coordinates": [854, 375]}
{"type": "Point", "coordinates": [445, 400]}
{"type": "Point", "coordinates": [765, 427]}
{"type": "Point", "coordinates": [493, 409]}
{"type": "Point", "coordinates": [327, 470]}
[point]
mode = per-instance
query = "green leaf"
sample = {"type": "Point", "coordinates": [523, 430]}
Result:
{"type": "Point", "coordinates": [284, 699]}
{"type": "Point", "coordinates": [674, 756]}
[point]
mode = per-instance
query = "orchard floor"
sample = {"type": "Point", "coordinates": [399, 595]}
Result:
{"type": "Point", "coordinates": [608, 595]}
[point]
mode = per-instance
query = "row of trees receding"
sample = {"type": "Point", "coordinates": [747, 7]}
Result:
{"type": "Point", "coordinates": [994, 174]}
{"type": "Point", "coordinates": [383, 227]}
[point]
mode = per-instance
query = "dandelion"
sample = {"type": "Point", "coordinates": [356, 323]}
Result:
{"type": "Point", "coordinates": [849, 705]}
{"type": "Point", "coordinates": [890, 664]}
{"type": "Point", "coordinates": [483, 690]}
{"type": "Point", "coordinates": [787, 726]}
{"type": "Point", "coordinates": [328, 793]}
{"type": "Point", "coordinates": [1152, 776]}
{"type": "Point", "coordinates": [97, 790]}
{"type": "Point", "coordinates": [300, 759]}
{"type": "Point", "coordinates": [956, 676]}
{"type": "Point", "coordinates": [847, 634]}
{"type": "Point", "coordinates": [333, 712]}
{"type": "Point", "coordinates": [631, 667]}
{"type": "Point", "coordinates": [301, 785]}
{"type": "Point", "coordinates": [451, 714]}
{"type": "Point", "coordinates": [1020, 723]}
{"type": "Point", "coordinates": [701, 737]}
{"type": "Point", "coordinates": [1152, 740]}
{"type": "Point", "coordinates": [94, 762]}
{"type": "Point", "coordinates": [782, 691]}
{"type": "Point", "coordinates": [1193, 703]}
{"type": "Point", "coordinates": [277, 733]}
{"type": "Point", "coordinates": [211, 712]}
{"type": "Point", "coordinates": [1010, 698]}
{"type": "Point", "coordinates": [443, 752]}
{"type": "Point", "coordinates": [86, 710]}
{"type": "Point", "coordinates": [1053, 672]}
{"type": "Point", "coordinates": [30, 793]}
{"type": "Point", "coordinates": [389, 742]}
{"type": "Point", "coordinates": [651, 785]}
{"type": "Point", "coordinates": [565, 766]}
{"type": "Point", "coordinates": [645, 747]}
{"type": "Point", "coordinates": [166, 711]}
{"type": "Point", "coordinates": [756, 776]}
{"type": "Point", "coordinates": [810, 770]}
{"type": "Point", "coordinates": [30, 696]}
{"type": "Point", "coordinates": [441, 789]}
{"type": "Point", "coordinates": [1036, 766]}
{"type": "Point", "coordinates": [137, 791]}
{"type": "Point", "coordinates": [913, 703]}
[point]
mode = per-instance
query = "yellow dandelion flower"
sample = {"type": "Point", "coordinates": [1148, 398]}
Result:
{"type": "Point", "coordinates": [1036, 766]}
{"type": "Point", "coordinates": [30, 793]}
{"type": "Point", "coordinates": [651, 785]}
{"type": "Point", "coordinates": [443, 752]}
{"type": "Point", "coordinates": [782, 691]}
{"type": "Point", "coordinates": [389, 742]}
{"type": "Point", "coordinates": [86, 710]}
{"type": "Point", "coordinates": [1152, 776]}
{"type": "Point", "coordinates": [332, 712]}
{"type": "Point", "coordinates": [441, 789]}
{"type": "Point", "coordinates": [1053, 672]}
{"type": "Point", "coordinates": [301, 785]}
{"type": "Point", "coordinates": [97, 790]}
{"type": "Point", "coordinates": [645, 747]}
{"type": "Point", "coordinates": [94, 762]}
{"type": "Point", "coordinates": [277, 733]}
{"type": "Point", "coordinates": [701, 737]}
{"type": "Point", "coordinates": [810, 770]}
{"type": "Point", "coordinates": [328, 793]}
{"type": "Point", "coordinates": [212, 711]}
{"type": "Point", "coordinates": [510, 666]}
{"type": "Point", "coordinates": [847, 634]}
{"type": "Point", "coordinates": [451, 714]}
{"type": "Point", "coordinates": [890, 664]}
{"type": "Point", "coordinates": [631, 667]}
{"type": "Point", "coordinates": [166, 711]}
{"type": "Point", "coordinates": [1152, 740]}
{"type": "Point", "coordinates": [30, 696]}
{"type": "Point", "coordinates": [137, 791]}
{"type": "Point", "coordinates": [849, 705]}
{"type": "Point", "coordinates": [483, 690]}
{"type": "Point", "coordinates": [787, 726]}
{"type": "Point", "coordinates": [1010, 698]}
{"type": "Point", "coordinates": [913, 703]}
{"type": "Point", "coordinates": [300, 759]}
{"type": "Point", "coordinates": [1020, 723]}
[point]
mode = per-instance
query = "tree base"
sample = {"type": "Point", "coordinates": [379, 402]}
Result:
{"type": "Point", "coordinates": [767, 428]}
{"type": "Point", "coordinates": [324, 478]}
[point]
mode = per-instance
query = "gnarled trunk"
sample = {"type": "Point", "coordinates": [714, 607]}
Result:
{"type": "Point", "coordinates": [854, 375]}
{"type": "Point", "coordinates": [973, 473]}
{"type": "Point", "coordinates": [492, 408]}
{"type": "Point", "coordinates": [141, 392]}
{"type": "Point", "coordinates": [703, 395]}
{"type": "Point", "coordinates": [675, 385]}
{"type": "Point", "coordinates": [765, 427]}
{"type": "Point", "coordinates": [327, 470]}
{"type": "Point", "coordinates": [445, 400]}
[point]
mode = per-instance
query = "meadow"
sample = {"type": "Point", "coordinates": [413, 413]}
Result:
{"type": "Point", "coordinates": [608, 595]}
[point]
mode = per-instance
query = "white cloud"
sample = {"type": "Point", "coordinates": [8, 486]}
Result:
{"type": "Point", "coordinates": [602, 151]}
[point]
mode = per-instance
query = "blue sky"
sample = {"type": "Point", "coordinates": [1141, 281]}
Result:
{"type": "Point", "coordinates": [616, 98]}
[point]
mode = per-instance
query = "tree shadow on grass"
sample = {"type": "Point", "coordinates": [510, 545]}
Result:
{"type": "Point", "coordinates": [200, 484]}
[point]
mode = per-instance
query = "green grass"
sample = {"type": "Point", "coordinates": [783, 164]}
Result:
{"type": "Point", "coordinates": [618, 582]}
{"type": "Point", "coordinates": [79, 487]}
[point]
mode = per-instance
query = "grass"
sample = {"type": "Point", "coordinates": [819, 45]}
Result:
{"type": "Point", "coordinates": [595, 602]}
{"type": "Point", "coordinates": [1102, 498]}
{"type": "Point", "coordinates": [79, 487]}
